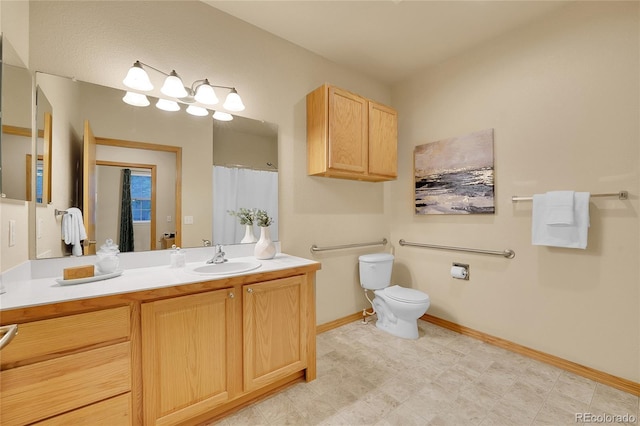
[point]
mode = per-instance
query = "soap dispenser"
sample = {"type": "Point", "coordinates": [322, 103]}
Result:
{"type": "Point", "coordinates": [178, 257]}
{"type": "Point", "coordinates": [108, 261]}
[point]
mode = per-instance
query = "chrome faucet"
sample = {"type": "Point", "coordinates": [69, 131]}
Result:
{"type": "Point", "coordinates": [218, 256]}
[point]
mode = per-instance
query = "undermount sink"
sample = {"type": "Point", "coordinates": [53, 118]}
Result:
{"type": "Point", "coordinates": [229, 267]}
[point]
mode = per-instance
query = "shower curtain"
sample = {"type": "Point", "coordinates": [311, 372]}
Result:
{"type": "Point", "coordinates": [234, 188]}
{"type": "Point", "coordinates": [125, 242]}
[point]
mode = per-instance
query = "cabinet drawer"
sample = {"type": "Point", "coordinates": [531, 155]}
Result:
{"type": "Point", "coordinates": [57, 336]}
{"type": "Point", "coordinates": [45, 389]}
{"type": "Point", "coordinates": [113, 412]}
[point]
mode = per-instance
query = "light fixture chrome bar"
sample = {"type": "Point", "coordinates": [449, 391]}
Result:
{"type": "Point", "coordinates": [153, 68]}
{"type": "Point", "coordinates": [508, 253]}
{"type": "Point", "coordinates": [622, 195]}
{"type": "Point", "coordinates": [315, 248]}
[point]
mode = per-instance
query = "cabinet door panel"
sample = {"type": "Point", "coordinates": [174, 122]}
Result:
{"type": "Point", "coordinates": [186, 343]}
{"type": "Point", "coordinates": [347, 131]}
{"type": "Point", "coordinates": [383, 140]}
{"type": "Point", "coordinates": [275, 330]}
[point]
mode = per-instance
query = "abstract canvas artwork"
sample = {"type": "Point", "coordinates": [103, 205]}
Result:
{"type": "Point", "coordinates": [455, 176]}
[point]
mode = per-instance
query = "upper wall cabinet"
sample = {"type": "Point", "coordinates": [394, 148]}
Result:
{"type": "Point", "coordinates": [350, 137]}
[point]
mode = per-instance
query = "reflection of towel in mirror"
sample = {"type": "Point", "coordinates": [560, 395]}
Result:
{"type": "Point", "coordinates": [73, 231]}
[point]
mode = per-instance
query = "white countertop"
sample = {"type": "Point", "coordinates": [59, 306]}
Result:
{"type": "Point", "coordinates": [43, 291]}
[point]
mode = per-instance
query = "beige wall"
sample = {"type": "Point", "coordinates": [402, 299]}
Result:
{"type": "Point", "coordinates": [549, 90]}
{"type": "Point", "coordinates": [563, 97]}
{"type": "Point", "coordinates": [273, 78]}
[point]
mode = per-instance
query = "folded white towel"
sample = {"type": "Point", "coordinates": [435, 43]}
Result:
{"type": "Point", "coordinates": [559, 208]}
{"type": "Point", "coordinates": [571, 236]}
{"type": "Point", "coordinates": [73, 231]}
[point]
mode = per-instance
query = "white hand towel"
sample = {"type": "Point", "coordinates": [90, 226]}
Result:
{"type": "Point", "coordinates": [571, 236]}
{"type": "Point", "coordinates": [73, 231]}
{"type": "Point", "coordinates": [559, 208]}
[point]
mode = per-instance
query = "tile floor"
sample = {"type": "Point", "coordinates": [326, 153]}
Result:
{"type": "Point", "coordinates": [368, 377]}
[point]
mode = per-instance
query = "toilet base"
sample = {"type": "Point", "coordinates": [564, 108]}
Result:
{"type": "Point", "coordinates": [400, 328]}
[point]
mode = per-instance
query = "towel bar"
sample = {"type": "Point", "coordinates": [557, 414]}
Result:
{"type": "Point", "coordinates": [508, 253]}
{"type": "Point", "coordinates": [59, 212]}
{"type": "Point", "coordinates": [315, 248]}
{"type": "Point", "coordinates": [622, 195]}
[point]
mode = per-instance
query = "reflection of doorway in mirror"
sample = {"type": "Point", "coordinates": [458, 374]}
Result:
{"type": "Point", "coordinates": [109, 181]}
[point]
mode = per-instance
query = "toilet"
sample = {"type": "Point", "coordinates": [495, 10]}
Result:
{"type": "Point", "coordinates": [398, 308]}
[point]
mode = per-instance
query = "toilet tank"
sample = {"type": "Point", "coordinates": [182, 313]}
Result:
{"type": "Point", "coordinates": [375, 270]}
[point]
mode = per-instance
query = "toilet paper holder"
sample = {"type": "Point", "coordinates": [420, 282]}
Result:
{"type": "Point", "coordinates": [460, 271]}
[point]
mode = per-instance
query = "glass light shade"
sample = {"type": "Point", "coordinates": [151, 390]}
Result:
{"type": "Point", "coordinates": [196, 110]}
{"type": "Point", "coordinates": [174, 87]}
{"type": "Point", "coordinates": [205, 94]}
{"type": "Point", "coordinates": [137, 78]}
{"type": "Point", "coordinates": [222, 116]}
{"type": "Point", "coordinates": [233, 102]}
{"type": "Point", "coordinates": [166, 105]}
{"type": "Point", "coordinates": [136, 99]}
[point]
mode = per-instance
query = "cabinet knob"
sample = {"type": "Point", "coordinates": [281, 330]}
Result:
{"type": "Point", "coordinates": [231, 295]}
{"type": "Point", "coordinates": [249, 290]}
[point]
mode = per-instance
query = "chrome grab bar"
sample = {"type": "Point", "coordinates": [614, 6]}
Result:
{"type": "Point", "coordinates": [508, 253]}
{"type": "Point", "coordinates": [9, 332]}
{"type": "Point", "coordinates": [315, 248]}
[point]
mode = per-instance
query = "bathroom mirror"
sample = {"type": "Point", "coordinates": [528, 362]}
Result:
{"type": "Point", "coordinates": [181, 148]}
{"type": "Point", "coordinates": [15, 139]}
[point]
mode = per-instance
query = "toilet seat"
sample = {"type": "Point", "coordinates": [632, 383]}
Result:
{"type": "Point", "coordinates": [405, 295]}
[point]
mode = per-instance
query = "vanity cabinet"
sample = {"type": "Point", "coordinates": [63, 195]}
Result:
{"type": "Point", "coordinates": [181, 354]}
{"type": "Point", "coordinates": [66, 369]}
{"type": "Point", "coordinates": [187, 355]}
{"type": "Point", "coordinates": [350, 137]}
{"type": "Point", "coordinates": [275, 327]}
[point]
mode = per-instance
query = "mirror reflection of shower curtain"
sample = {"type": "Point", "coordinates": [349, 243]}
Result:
{"type": "Point", "coordinates": [234, 188]}
{"type": "Point", "coordinates": [125, 242]}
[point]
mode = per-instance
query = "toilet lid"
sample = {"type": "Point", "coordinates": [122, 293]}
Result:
{"type": "Point", "coordinates": [407, 295]}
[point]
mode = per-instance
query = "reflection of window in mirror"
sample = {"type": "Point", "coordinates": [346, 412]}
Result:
{"type": "Point", "coordinates": [38, 175]}
{"type": "Point", "coordinates": [141, 196]}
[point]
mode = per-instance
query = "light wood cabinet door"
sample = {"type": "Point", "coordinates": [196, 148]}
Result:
{"type": "Point", "coordinates": [347, 131]}
{"type": "Point", "coordinates": [383, 141]}
{"type": "Point", "coordinates": [275, 330]}
{"type": "Point", "coordinates": [187, 355]}
{"type": "Point", "coordinates": [350, 137]}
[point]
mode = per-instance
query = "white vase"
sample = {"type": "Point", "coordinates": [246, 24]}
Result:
{"type": "Point", "coordinates": [248, 235]}
{"type": "Point", "coordinates": [265, 248]}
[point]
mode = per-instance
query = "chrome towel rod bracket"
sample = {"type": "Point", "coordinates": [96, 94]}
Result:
{"type": "Point", "coordinates": [508, 253]}
{"type": "Point", "coordinates": [59, 212]}
{"type": "Point", "coordinates": [315, 248]}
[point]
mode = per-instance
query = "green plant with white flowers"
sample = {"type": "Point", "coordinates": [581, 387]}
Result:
{"type": "Point", "coordinates": [262, 218]}
{"type": "Point", "coordinates": [246, 216]}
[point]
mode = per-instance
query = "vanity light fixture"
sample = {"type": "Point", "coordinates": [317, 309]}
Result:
{"type": "Point", "coordinates": [173, 86]}
{"type": "Point", "coordinates": [137, 78]}
{"type": "Point", "coordinates": [222, 116]}
{"type": "Point", "coordinates": [166, 105]}
{"type": "Point", "coordinates": [196, 110]}
{"type": "Point", "coordinates": [201, 91]}
{"type": "Point", "coordinates": [136, 99]}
